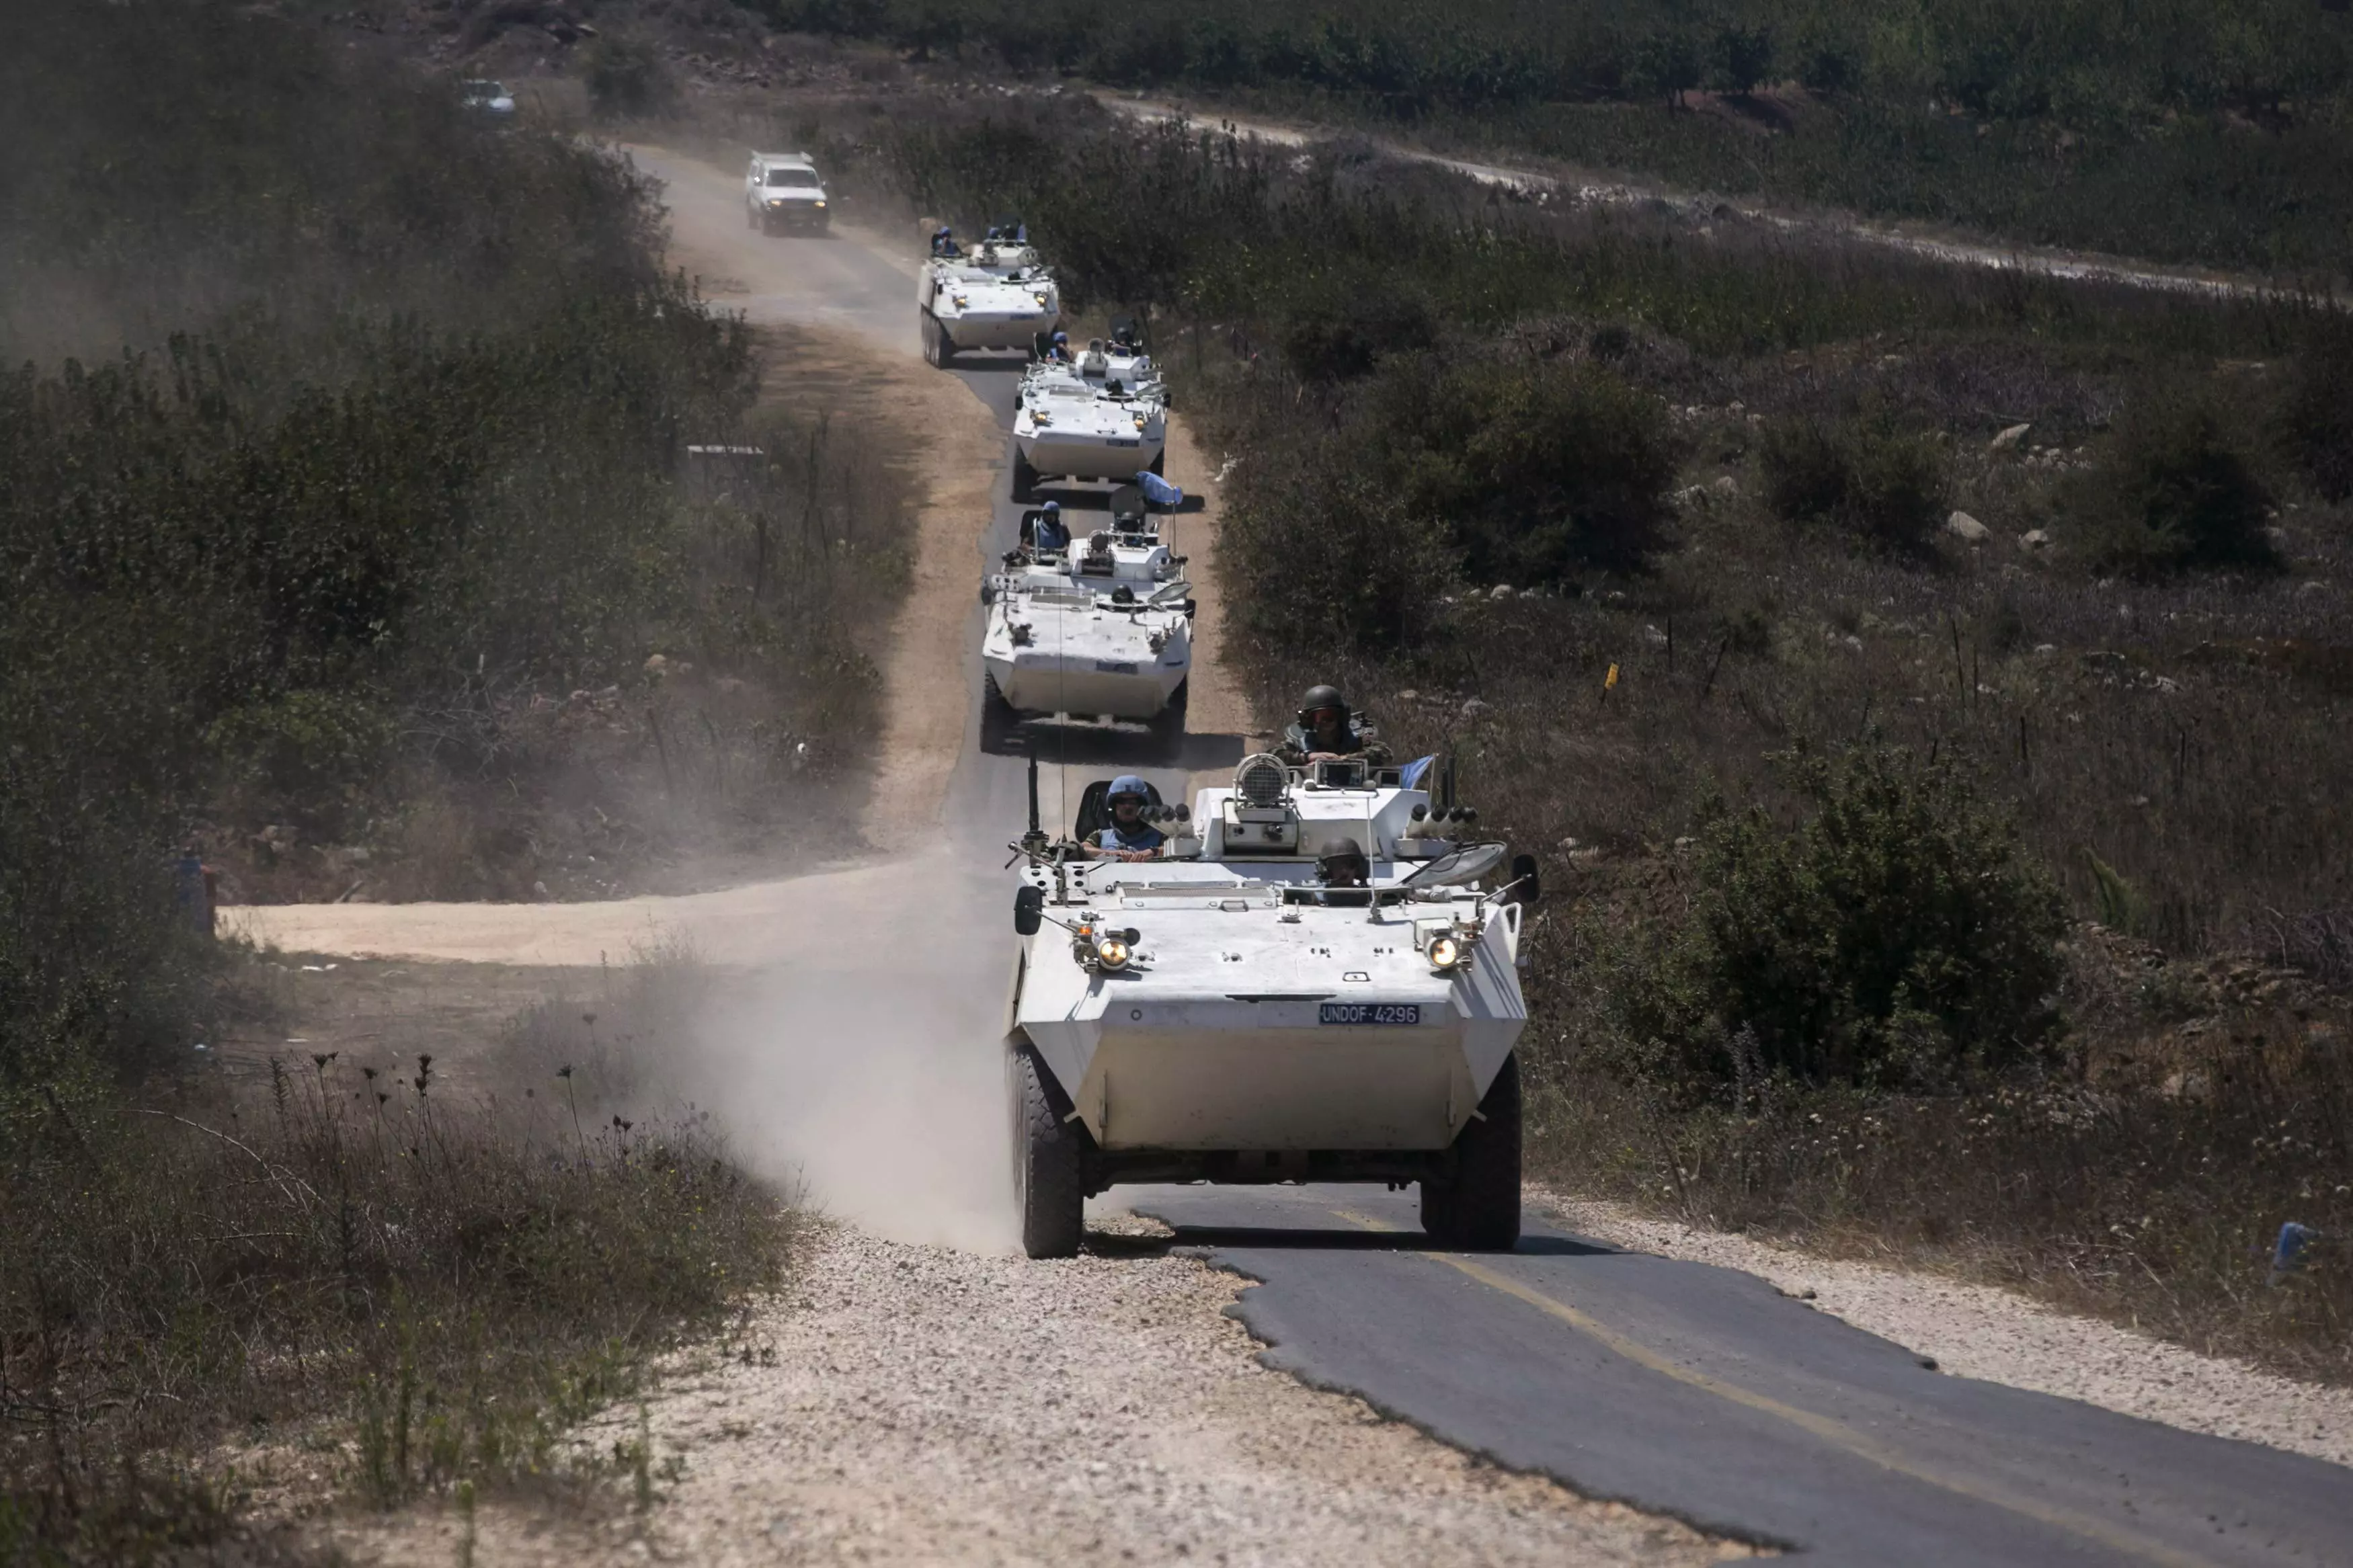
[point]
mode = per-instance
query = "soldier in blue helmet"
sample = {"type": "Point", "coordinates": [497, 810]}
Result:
{"type": "Point", "coordinates": [944, 243]}
{"type": "Point", "coordinates": [1129, 836]}
{"type": "Point", "coordinates": [1052, 535]}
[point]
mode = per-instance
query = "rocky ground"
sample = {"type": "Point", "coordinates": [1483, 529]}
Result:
{"type": "Point", "coordinates": [922, 1404]}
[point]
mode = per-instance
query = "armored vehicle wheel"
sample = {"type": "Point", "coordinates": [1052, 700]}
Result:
{"type": "Point", "coordinates": [931, 340]}
{"type": "Point", "coordinates": [1024, 478]}
{"type": "Point", "coordinates": [1169, 724]}
{"type": "Point", "coordinates": [1049, 1163]}
{"type": "Point", "coordinates": [946, 349]}
{"type": "Point", "coordinates": [1478, 1209]}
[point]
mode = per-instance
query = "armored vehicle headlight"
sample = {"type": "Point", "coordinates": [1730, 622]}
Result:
{"type": "Point", "coordinates": [1139, 421]}
{"type": "Point", "coordinates": [1112, 953]}
{"type": "Point", "coordinates": [775, 201]}
{"type": "Point", "coordinates": [961, 301]}
{"type": "Point", "coordinates": [1041, 296]}
{"type": "Point", "coordinates": [1444, 952]}
{"type": "Point", "coordinates": [820, 202]}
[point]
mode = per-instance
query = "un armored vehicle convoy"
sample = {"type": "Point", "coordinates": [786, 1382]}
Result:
{"type": "Point", "coordinates": [1311, 977]}
{"type": "Point", "coordinates": [1094, 626]}
{"type": "Point", "coordinates": [782, 194]}
{"type": "Point", "coordinates": [997, 294]}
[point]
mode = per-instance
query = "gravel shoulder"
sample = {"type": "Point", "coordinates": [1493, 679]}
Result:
{"type": "Point", "coordinates": [923, 1404]}
{"type": "Point", "coordinates": [1983, 1331]}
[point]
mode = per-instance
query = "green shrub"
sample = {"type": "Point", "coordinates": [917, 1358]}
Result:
{"type": "Point", "coordinates": [628, 79]}
{"type": "Point", "coordinates": [2315, 422]}
{"type": "Point", "coordinates": [1318, 554]}
{"type": "Point", "coordinates": [304, 748]}
{"type": "Point", "coordinates": [1887, 487]}
{"type": "Point", "coordinates": [1898, 935]}
{"type": "Point", "coordinates": [2174, 491]}
{"type": "Point", "coordinates": [1343, 327]}
{"type": "Point", "coordinates": [1537, 470]}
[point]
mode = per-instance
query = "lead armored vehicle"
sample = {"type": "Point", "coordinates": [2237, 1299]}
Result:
{"type": "Point", "coordinates": [997, 294]}
{"type": "Point", "coordinates": [1315, 979]}
{"type": "Point", "coordinates": [1098, 629]}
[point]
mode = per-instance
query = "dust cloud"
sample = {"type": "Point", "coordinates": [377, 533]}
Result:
{"type": "Point", "coordinates": [863, 1067]}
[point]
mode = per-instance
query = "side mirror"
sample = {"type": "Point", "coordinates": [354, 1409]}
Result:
{"type": "Point", "coordinates": [1029, 911]}
{"type": "Point", "coordinates": [1529, 888]}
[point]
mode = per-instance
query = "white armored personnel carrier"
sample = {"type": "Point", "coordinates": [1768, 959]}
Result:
{"type": "Point", "coordinates": [997, 294]}
{"type": "Point", "coordinates": [1072, 425]}
{"type": "Point", "coordinates": [1313, 978]}
{"type": "Point", "coordinates": [1098, 629]}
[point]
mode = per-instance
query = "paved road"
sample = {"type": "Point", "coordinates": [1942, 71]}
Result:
{"type": "Point", "coordinates": [1702, 1392]}
{"type": "Point", "coordinates": [1685, 1389]}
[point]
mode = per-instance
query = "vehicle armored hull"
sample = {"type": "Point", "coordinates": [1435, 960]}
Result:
{"type": "Point", "coordinates": [1298, 1043]}
{"type": "Point", "coordinates": [1092, 455]}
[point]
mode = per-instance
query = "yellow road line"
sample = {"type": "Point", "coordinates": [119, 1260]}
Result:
{"type": "Point", "coordinates": [1836, 1433]}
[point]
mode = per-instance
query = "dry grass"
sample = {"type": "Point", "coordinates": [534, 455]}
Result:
{"type": "Point", "coordinates": [402, 1279]}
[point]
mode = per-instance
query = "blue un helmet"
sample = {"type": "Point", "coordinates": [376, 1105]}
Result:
{"type": "Point", "coordinates": [1128, 787]}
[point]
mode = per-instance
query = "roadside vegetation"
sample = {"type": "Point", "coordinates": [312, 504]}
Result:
{"type": "Point", "coordinates": [351, 543]}
{"type": "Point", "coordinates": [1924, 688]}
{"type": "Point", "coordinates": [2178, 130]}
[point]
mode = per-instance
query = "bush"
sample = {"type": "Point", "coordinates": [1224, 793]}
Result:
{"type": "Point", "coordinates": [628, 79]}
{"type": "Point", "coordinates": [2316, 423]}
{"type": "Point", "coordinates": [1883, 487]}
{"type": "Point", "coordinates": [1318, 554]}
{"type": "Point", "coordinates": [1537, 470]}
{"type": "Point", "coordinates": [1899, 935]}
{"type": "Point", "coordinates": [2174, 491]}
{"type": "Point", "coordinates": [1341, 329]}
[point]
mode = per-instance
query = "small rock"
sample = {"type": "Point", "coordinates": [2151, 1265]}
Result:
{"type": "Point", "coordinates": [1474, 706]}
{"type": "Point", "coordinates": [1654, 637]}
{"type": "Point", "coordinates": [2009, 437]}
{"type": "Point", "coordinates": [2314, 587]}
{"type": "Point", "coordinates": [1409, 695]}
{"type": "Point", "coordinates": [1569, 846]}
{"type": "Point", "coordinates": [2043, 648]}
{"type": "Point", "coordinates": [1691, 495]}
{"type": "Point", "coordinates": [2034, 539]}
{"type": "Point", "coordinates": [656, 665]}
{"type": "Point", "coordinates": [1961, 525]}
{"type": "Point", "coordinates": [1726, 486]}
{"type": "Point", "coordinates": [1500, 591]}
{"type": "Point", "coordinates": [539, 891]}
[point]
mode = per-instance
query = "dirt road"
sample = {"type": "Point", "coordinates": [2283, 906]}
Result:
{"type": "Point", "coordinates": [1583, 187]}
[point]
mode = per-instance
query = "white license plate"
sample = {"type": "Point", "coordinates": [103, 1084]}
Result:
{"type": "Point", "coordinates": [1369, 1013]}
